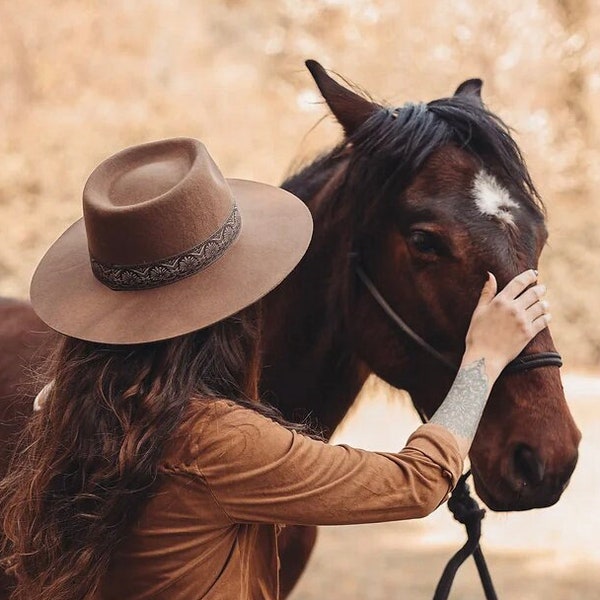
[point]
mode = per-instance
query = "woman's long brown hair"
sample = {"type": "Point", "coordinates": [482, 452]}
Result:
{"type": "Point", "coordinates": [88, 461]}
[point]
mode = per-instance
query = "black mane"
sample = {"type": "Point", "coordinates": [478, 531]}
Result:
{"type": "Point", "coordinates": [390, 148]}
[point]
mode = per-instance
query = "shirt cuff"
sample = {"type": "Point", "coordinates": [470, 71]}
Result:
{"type": "Point", "coordinates": [439, 445]}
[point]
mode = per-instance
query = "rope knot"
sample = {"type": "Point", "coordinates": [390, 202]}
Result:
{"type": "Point", "coordinates": [463, 506]}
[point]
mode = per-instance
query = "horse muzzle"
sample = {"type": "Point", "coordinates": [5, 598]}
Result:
{"type": "Point", "coordinates": [527, 481]}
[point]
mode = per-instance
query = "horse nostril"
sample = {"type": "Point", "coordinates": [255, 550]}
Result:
{"type": "Point", "coordinates": [528, 465]}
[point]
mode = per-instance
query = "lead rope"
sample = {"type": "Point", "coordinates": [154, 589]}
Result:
{"type": "Point", "coordinates": [467, 511]}
{"type": "Point", "coordinates": [462, 505]}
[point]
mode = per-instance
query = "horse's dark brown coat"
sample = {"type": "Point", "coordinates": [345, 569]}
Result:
{"type": "Point", "coordinates": [24, 342]}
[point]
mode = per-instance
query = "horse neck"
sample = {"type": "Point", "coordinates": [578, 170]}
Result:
{"type": "Point", "coordinates": [311, 369]}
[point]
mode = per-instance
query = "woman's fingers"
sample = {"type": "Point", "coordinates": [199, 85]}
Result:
{"type": "Point", "coordinates": [537, 310]}
{"type": "Point", "coordinates": [489, 290]}
{"type": "Point", "coordinates": [531, 296]}
{"type": "Point", "coordinates": [540, 323]}
{"type": "Point", "coordinates": [516, 286]}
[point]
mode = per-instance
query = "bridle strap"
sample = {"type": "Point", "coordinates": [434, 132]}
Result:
{"type": "Point", "coordinates": [527, 362]}
{"type": "Point", "coordinates": [394, 316]}
{"type": "Point", "coordinates": [518, 365]}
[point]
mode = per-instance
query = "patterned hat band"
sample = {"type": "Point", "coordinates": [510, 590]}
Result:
{"type": "Point", "coordinates": [169, 270]}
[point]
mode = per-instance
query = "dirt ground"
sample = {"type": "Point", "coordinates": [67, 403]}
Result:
{"type": "Point", "coordinates": [547, 554]}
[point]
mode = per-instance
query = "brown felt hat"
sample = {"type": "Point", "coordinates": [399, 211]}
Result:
{"type": "Point", "coordinates": [166, 246]}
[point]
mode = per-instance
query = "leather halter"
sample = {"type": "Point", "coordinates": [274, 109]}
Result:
{"type": "Point", "coordinates": [522, 363]}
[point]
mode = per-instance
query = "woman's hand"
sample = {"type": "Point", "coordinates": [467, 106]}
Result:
{"type": "Point", "coordinates": [504, 323]}
{"type": "Point", "coordinates": [501, 326]}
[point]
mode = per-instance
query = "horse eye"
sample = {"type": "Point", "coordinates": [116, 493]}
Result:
{"type": "Point", "coordinates": [424, 242]}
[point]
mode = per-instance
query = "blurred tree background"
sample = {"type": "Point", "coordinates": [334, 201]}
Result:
{"type": "Point", "coordinates": [81, 79]}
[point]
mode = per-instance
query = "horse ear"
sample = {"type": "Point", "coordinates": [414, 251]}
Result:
{"type": "Point", "coordinates": [350, 109]}
{"type": "Point", "coordinates": [471, 89]}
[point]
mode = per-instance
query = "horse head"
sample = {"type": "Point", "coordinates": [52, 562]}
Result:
{"type": "Point", "coordinates": [434, 196]}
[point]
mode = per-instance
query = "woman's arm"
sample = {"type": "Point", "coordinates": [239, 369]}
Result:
{"type": "Point", "coordinates": [261, 472]}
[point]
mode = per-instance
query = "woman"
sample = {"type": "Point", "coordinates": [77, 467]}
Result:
{"type": "Point", "coordinates": [151, 470]}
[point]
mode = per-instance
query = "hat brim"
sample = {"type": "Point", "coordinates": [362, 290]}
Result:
{"type": "Point", "coordinates": [276, 231]}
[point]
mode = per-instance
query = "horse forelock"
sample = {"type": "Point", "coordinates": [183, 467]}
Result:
{"type": "Point", "coordinates": [402, 139]}
{"type": "Point", "coordinates": [483, 134]}
{"type": "Point", "coordinates": [390, 148]}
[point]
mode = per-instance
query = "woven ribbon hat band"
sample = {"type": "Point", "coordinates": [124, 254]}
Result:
{"type": "Point", "coordinates": [174, 268]}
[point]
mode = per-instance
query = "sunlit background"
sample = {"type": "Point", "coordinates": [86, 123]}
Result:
{"type": "Point", "coordinates": [81, 79]}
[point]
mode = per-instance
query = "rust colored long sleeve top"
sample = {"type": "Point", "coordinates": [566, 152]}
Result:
{"type": "Point", "coordinates": [232, 476]}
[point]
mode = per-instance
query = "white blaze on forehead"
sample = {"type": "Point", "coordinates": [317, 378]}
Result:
{"type": "Point", "coordinates": [493, 199]}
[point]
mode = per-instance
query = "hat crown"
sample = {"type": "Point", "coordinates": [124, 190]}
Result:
{"type": "Point", "coordinates": [147, 181]}
{"type": "Point", "coordinates": [154, 201]}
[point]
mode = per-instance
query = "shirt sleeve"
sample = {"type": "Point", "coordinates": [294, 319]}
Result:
{"type": "Point", "coordinates": [261, 472]}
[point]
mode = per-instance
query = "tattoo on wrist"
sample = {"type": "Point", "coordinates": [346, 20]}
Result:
{"type": "Point", "coordinates": [461, 411]}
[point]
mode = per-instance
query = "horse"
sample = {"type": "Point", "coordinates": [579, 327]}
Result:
{"type": "Point", "coordinates": [411, 208]}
